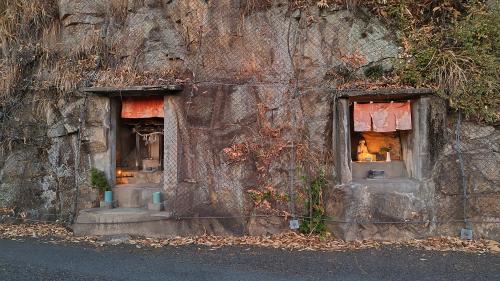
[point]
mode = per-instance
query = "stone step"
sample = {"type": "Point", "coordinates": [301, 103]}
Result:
{"type": "Point", "coordinates": [142, 222]}
{"type": "Point", "coordinates": [138, 177]}
{"type": "Point", "coordinates": [87, 205]}
{"type": "Point", "coordinates": [134, 195]}
{"type": "Point", "coordinates": [393, 169]}
{"type": "Point", "coordinates": [404, 185]}
{"type": "Point", "coordinates": [118, 215]}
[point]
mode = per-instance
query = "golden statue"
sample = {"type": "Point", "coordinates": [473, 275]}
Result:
{"type": "Point", "coordinates": [363, 154]}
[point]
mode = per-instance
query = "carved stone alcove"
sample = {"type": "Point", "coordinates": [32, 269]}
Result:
{"type": "Point", "coordinates": [117, 134]}
{"type": "Point", "coordinates": [413, 145]}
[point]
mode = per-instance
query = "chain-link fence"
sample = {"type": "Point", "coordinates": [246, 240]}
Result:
{"type": "Point", "coordinates": [262, 74]}
{"type": "Point", "coordinates": [261, 78]}
{"type": "Point", "coordinates": [253, 126]}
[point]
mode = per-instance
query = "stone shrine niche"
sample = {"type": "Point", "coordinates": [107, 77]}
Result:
{"type": "Point", "coordinates": [139, 142]}
{"type": "Point", "coordinates": [402, 126]}
{"type": "Point", "coordinates": [375, 141]}
{"type": "Point", "coordinates": [379, 139]}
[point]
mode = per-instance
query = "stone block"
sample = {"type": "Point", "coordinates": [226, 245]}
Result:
{"type": "Point", "coordinates": [108, 205]}
{"type": "Point", "coordinates": [150, 164]}
{"type": "Point", "coordinates": [57, 130]}
{"type": "Point", "coordinates": [484, 206]}
{"type": "Point", "coordinates": [155, 206]}
{"type": "Point", "coordinates": [449, 208]}
{"type": "Point", "coordinates": [165, 205]}
{"type": "Point", "coordinates": [267, 226]}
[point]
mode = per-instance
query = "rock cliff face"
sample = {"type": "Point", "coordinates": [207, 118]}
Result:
{"type": "Point", "coordinates": [480, 164]}
{"type": "Point", "coordinates": [257, 104]}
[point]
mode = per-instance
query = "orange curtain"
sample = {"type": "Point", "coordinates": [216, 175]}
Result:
{"type": "Point", "coordinates": [362, 117]}
{"type": "Point", "coordinates": [402, 111]}
{"type": "Point", "coordinates": [382, 117]}
{"type": "Point", "coordinates": [143, 107]}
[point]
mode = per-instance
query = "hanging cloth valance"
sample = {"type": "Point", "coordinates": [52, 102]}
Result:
{"type": "Point", "coordinates": [362, 117]}
{"type": "Point", "coordinates": [143, 107]}
{"type": "Point", "coordinates": [382, 117]}
{"type": "Point", "coordinates": [402, 111]}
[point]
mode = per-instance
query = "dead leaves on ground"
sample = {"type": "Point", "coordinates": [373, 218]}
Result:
{"type": "Point", "coordinates": [455, 244]}
{"type": "Point", "coordinates": [33, 230]}
{"type": "Point", "coordinates": [285, 241]}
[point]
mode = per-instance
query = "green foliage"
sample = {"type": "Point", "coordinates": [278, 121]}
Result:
{"type": "Point", "coordinates": [314, 218]}
{"type": "Point", "coordinates": [384, 150]}
{"type": "Point", "coordinates": [98, 180]}
{"type": "Point", "coordinates": [374, 72]}
{"type": "Point", "coordinates": [455, 50]}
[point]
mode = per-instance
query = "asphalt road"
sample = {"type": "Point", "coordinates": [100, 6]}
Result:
{"type": "Point", "coordinates": [35, 260]}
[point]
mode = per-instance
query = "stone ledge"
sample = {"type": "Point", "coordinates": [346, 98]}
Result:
{"type": "Point", "coordinates": [385, 93]}
{"type": "Point", "coordinates": [155, 206]}
{"type": "Point", "coordinates": [108, 205]}
{"type": "Point", "coordinates": [133, 90]}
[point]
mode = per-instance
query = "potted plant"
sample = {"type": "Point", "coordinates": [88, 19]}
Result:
{"type": "Point", "coordinates": [387, 152]}
{"type": "Point", "coordinates": [98, 181]}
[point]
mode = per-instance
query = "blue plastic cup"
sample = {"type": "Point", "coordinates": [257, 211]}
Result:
{"type": "Point", "coordinates": [156, 198]}
{"type": "Point", "coordinates": [108, 196]}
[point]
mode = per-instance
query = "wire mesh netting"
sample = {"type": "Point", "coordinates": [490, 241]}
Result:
{"type": "Point", "coordinates": [253, 128]}
{"type": "Point", "coordinates": [257, 74]}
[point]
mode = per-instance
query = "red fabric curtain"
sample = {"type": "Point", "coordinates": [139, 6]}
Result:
{"type": "Point", "coordinates": [382, 117]}
{"type": "Point", "coordinates": [143, 107]}
{"type": "Point", "coordinates": [362, 117]}
{"type": "Point", "coordinates": [402, 111]}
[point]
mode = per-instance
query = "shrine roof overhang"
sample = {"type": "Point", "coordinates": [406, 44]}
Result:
{"type": "Point", "coordinates": [384, 94]}
{"type": "Point", "coordinates": [134, 91]}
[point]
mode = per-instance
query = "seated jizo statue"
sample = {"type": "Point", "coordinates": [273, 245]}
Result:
{"type": "Point", "coordinates": [363, 154]}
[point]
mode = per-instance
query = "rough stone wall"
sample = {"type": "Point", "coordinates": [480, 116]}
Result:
{"type": "Point", "coordinates": [243, 67]}
{"type": "Point", "coordinates": [433, 206]}
{"type": "Point", "coordinates": [39, 150]}
{"type": "Point", "coordinates": [481, 161]}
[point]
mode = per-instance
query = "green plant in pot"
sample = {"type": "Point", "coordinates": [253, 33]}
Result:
{"type": "Point", "coordinates": [98, 181]}
{"type": "Point", "coordinates": [387, 152]}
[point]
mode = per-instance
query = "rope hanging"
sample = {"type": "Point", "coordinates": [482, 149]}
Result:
{"type": "Point", "coordinates": [149, 138]}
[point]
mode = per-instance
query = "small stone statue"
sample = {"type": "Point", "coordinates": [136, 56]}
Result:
{"type": "Point", "coordinates": [363, 154]}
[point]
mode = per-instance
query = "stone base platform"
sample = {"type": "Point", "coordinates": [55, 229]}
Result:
{"type": "Point", "coordinates": [135, 195]}
{"type": "Point", "coordinates": [381, 209]}
{"type": "Point", "coordinates": [393, 169]}
{"type": "Point", "coordinates": [142, 222]}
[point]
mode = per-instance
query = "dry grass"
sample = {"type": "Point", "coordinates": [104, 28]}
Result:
{"type": "Point", "coordinates": [31, 29]}
{"type": "Point", "coordinates": [118, 10]}
{"type": "Point", "coordinates": [22, 23]}
{"type": "Point", "coordinates": [451, 74]}
{"type": "Point", "coordinates": [10, 77]}
{"type": "Point", "coordinates": [50, 36]}
{"type": "Point", "coordinates": [125, 75]}
{"type": "Point", "coordinates": [23, 19]}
